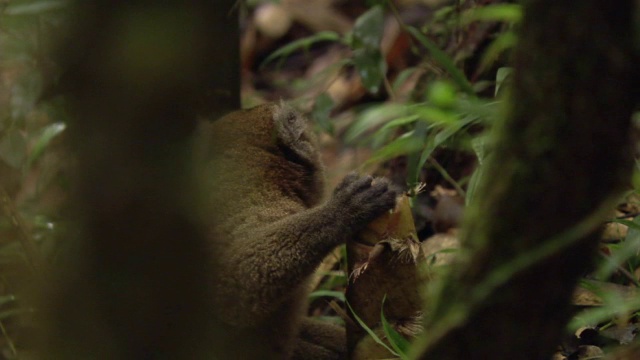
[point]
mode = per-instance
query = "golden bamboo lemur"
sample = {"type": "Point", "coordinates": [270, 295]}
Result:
{"type": "Point", "coordinates": [270, 232]}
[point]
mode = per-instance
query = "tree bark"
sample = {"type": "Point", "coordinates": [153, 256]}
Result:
{"type": "Point", "coordinates": [137, 285]}
{"type": "Point", "coordinates": [559, 159]}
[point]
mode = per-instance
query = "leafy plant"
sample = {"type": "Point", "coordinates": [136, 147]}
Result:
{"type": "Point", "coordinates": [30, 162]}
{"type": "Point", "coordinates": [399, 345]}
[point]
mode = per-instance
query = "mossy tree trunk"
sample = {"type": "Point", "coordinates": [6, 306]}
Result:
{"type": "Point", "coordinates": [137, 286]}
{"type": "Point", "coordinates": [559, 159]}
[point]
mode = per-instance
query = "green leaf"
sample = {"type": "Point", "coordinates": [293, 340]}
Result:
{"type": "Point", "coordinates": [402, 77]}
{"type": "Point", "coordinates": [331, 319]}
{"type": "Point", "coordinates": [35, 8]}
{"type": "Point", "coordinates": [503, 42]}
{"type": "Point", "coordinates": [405, 144]}
{"type": "Point", "coordinates": [444, 60]}
{"type": "Point", "coordinates": [452, 125]}
{"type": "Point", "coordinates": [627, 249]}
{"type": "Point", "coordinates": [448, 132]}
{"type": "Point", "coordinates": [434, 142]}
{"type": "Point", "coordinates": [370, 332]}
{"type": "Point", "coordinates": [479, 109]}
{"type": "Point", "coordinates": [25, 94]}
{"type": "Point", "coordinates": [435, 115]}
{"type": "Point", "coordinates": [373, 117]}
{"type": "Point", "coordinates": [397, 341]}
{"type": "Point", "coordinates": [365, 42]}
{"type": "Point", "coordinates": [614, 306]}
{"type": "Point", "coordinates": [475, 180]}
{"type": "Point", "coordinates": [328, 293]}
{"type": "Point", "coordinates": [11, 313]}
{"type": "Point", "coordinates": [479, 147]}
{"type": "Point", "coordinates": [5, 299]}
{"type": "Point", "coordinates": [304, 44]}
{"type": "Point", "coordinates": [511, 13]}
{"type": "Point", "coordinates": [371, 67]}
{"type": "Point", "coordinates": [502, 76]}
{"type": "Point", "coordinates": [321, 111]}
{"type": "Point", "coordinates": [13, 148]}
{"type": "Point", "coordinates": [628, 223]}
{"type": "Point", "coordinates": [442, 94]}
{"type": "Point", "coordinates": [368, 29]}
{"type": "Point", "coordinates": [414, 164]}
{"type": "Point", "coordinates": [47, 134]}
{"type": "Point", "coordinates": [399, 122]}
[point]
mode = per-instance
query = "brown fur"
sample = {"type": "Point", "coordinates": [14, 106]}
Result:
{"type": "Point", "coordinates": [265, 181]}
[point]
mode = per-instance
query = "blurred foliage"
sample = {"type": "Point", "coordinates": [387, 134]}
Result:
{"type": "Point", "coordinates": [32, 162]}
{"type": "Point", "coordinates": [449, 114]}
{"type": "Point", "coordinates": [29, 127]}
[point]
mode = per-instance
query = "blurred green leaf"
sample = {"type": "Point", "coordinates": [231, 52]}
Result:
{"type": "Point", "coordinates": [402, 77]}
{"type": "Point", "coordinates": [35, 8]}
{"type": "Point", "coordinates": [479, 148]}
{"type": "Point", "coordinates": [503, 42]}
{"type": "Point", "coordinates": [13, 148]}
{"type": "Point", "coordinates": [328, 293]}
{"type": "Point", "coordinates": [399, 122]}
{"type": "Point", "coordinates": [331, 319]}
{"type": "Point", "coordinates": [502, 77]}
{"type": "Point", "coordinates": [365, 42]}
{"type": "Point", "coordinates": [435, 115]}
{"type": "Point", "coordinates": [304, 44]}
{"type": "Point", "coordinates": [481, 85]}
{"type": "Point", "coordinates": [472, 187]}
{"type": "Point", "coordinates": [371, 67]}
{"type": "Point", "coordinates": [374, 117]}
{"type": "Point", "coordinates": [41, 143]}
{"type": "Point", "coordinates": [511, 13]}
{"type": "Point", "coordinates": [628, 248]}
{"type": "Point", "coordinates": [25, 94]}
{"type": "Point", "coordinates": [368, 29]}
{"type": "Point", "coordinates": [5, 299]}
{"type": "Point", "coordinates": [373, 335]}
{"type": "Point", "coordinates": [628, 223]}
{"type": "Point", "coordinates": [42, 222]}
{"type": "Point", "coordinates": [405, 144]}
{"type": "Point", "coordinates": [432, 144]}
{"type": "Point", "coordinates": [321, 111]}
{"type": "Point", "coordinates": [421, 129]}
{"type": "Point", "coordinates": [452, 129]}
{"type": "Point", "coordinates": [397, 341]}
{"type": "Point", "coordinates": [442, 94]}
{"type": "Point", "coordinates": [614, 306]}
{"type": "Point", "coordinates": [11, 313]}
{"type": "Point", "coordinates": [479, 109]}
{"type": "Point", "coordinates": [444, 60]}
